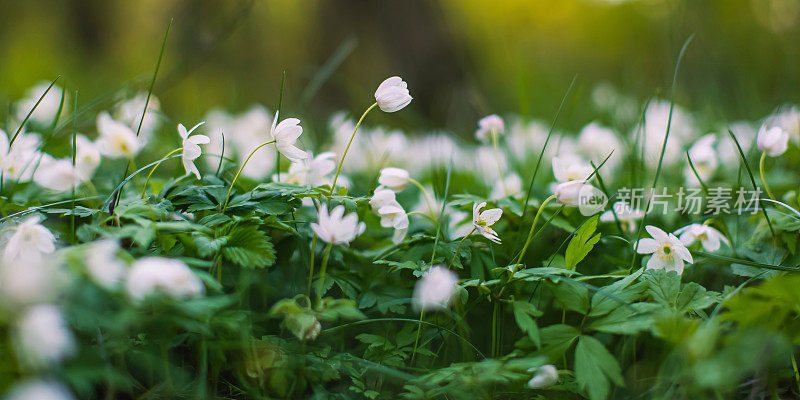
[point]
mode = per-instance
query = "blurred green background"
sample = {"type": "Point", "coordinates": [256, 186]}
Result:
{"type": "Point", "coordinates": [462, 59]}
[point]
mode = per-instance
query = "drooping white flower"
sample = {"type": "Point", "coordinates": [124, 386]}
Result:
{"type": "Point", "coordinates": [392, 214]}
{"type": "Point", "coordinates": [58, 175]}
{"type": "Point", "coordinates": [625, 213]}
{"type": "Point", "coordinates": [39, 390]}
{"type": "Point", "coordinates": [482, 221]}
{"type": "Point", "coordinates": [668, 252]}
{"type": "Point", "coordinates": [172, 277]}
{"type": "Point", "coordinates": [708, 237]}
{"type": "Point", "coordinates": [704, 160]}
{"type": "Point", "coordinates": [511, 185]}
{"type": "Point", "coordinates": [42, 336]}
{"type": "Point", "coordinates": [337, 228]}
{"type": "Point", "coordinates": [116, 140]}
{"type": "Point", "coordinates": [568, 193]}
{"type": "Point", "coordinates": [285, 134]}
{"type": "Point", "coordinates": [87, 157]}
{"type": "Point", "coordinates": [546, 375]}
{"type": "Point", "coordinates": [571, 168]}
{"type": "Point", "coordinates": [29, 240]}
{"type": "Point", "coordinates": [392, 94]}
{"type": "Point", "coordinates": [191, 148]}
{"type": "Point", "coordinates": [45, 113]}
{"type": "Point", "coordinates": [395, 179]}
{"type": "Point", "coordinates": [435, 289]}
{"type": "Point", "coordinates": [103, 265]}
{"type": "Point", "coordinates": [774, 141]}
{"type": "Point", "coordinates": [488, 126]}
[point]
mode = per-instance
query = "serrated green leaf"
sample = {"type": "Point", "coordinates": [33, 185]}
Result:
{"type": "Point", "coordinates": [594, 367]}
{"type": "Point", "coordinates": [582, 243]}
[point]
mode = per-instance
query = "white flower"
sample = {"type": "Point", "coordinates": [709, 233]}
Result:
{"type": "Point", "coordinates": [546, 375]}
{"type": "Point", "coordinates": [19, 161]}
{"type": "Point", "coordinates": [481, 221]}
{"type": "Point", "coordinates": [57, 175]}
{"type": "Point", "coordinates": [87, 157]}
{"type": "Point", "coordinates": [511, 185]}
{"type": "Point", "coordinates": [285, 134]}
{"type": "Point", "coordinates": [396, 179]}
{"type": "Point", "coordinates": [625, 213]}
{"type": "Point", "coordinates": [392, 214]}
{"type": "Point", "coordinates": [435, 289]}
{"type": "Point", "coordinates": [191, 148]}
{"type": "Point", "coordinates": [596, 142]}
{"type": "Point", "coordinates": [129, 112]}
{"type": "Point", "coordinates": [488, 126]}
{"type": "Point", "coordinates": [30, 279]}
{"type": "Point", "coordinates": [116, 140]}
{"type": "Point", "coordinates": [709, 237]}
{"type": "Point", "coordinates": [668, 251]}
{"type": "Point", "coordinates": [45, 113]}
{"type": "Point", "coordinates": [727, 151]}
{"type": "Point", "coordinates": [656, 120]}
{"type": "Point", "coordinates": [172, 277]}
{"type": "Point", "coordinates": [704, 159]}
{"type": "Point", "coordinates": [568, 193]}
{"type": "Point", "coordinates": [336, 228]}
{"type": "Point", "coordinates": [29, 240]}
{"type": "Point", "coordinates": [42, 336]}
{"type": "Point", "coordinates": [243, 133]}
{"type": "Point", "coordinates": [392, 94]}
{"type": "Point", "coordinates": [774, 141]}
{"type": "Point", "coordinates": [39, 390]}
{"type": "Point", "coordinates": [571, 168]}
{"type": "Point", "coordinates": [459, 224]}
{"type": "Point", "coordinates": [311, 171]}
{"type": "Point", "coordinates": [103, 265]}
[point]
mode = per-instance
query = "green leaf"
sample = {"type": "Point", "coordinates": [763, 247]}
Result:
{"type": "Point", "coordinates": [572, 295]}
{"type": "Point", "coordinates": [582, 243]}
{"type": "Point", "coordinates": [558, 338]}
{"type": "Point", "coordinates": [594, 367]}
{"type": "Point", "coordinates": [524, 314]}
{"type": "Point", "coordinates": [627, 319]}
{"type": "Point", "coordinates": [248, 247]}
{"type": "Point", "coordinates": [617, 294]}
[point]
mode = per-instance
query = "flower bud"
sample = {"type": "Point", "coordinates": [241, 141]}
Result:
{"type": "Point", "coordinates": [392, 95]}
{"type": "Point", "coordinates": [394, 179]}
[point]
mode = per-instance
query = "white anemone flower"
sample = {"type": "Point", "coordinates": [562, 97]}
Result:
{"type": "Point", "coordinates": [392, 214]}
{"type": "Point", "coordinates": [395, 179]}
{"type": "Point", "coordinates": [571, 168]}
{"type": "Point", "coordinates": [103, 265]}
{"type": "Point", "coordinates": [39, 390]}
{"type": "Point", "coordinates": [392, 94]}
{"type": "Point", "coordinates": [568, 193]}
{"type": "Point", "coordinates": [488, 126]}
{"type": "Point", "coordinates": [58, 175]}
{"type": "Point", "coordinates": [596, 142]}
{"type": "Point", "coordinates": [48, 108]}
{"type": "Point", "coordinates": [30, 240]}
{"type": "Point", "coordinates": [172, 277]}
{"type": "Point", "coordinates": [774, 141]}
{"type": "Point", "coordinates": [337, 228]}
{"type": "Point", "coordinates": [87, 157]}
{"type": "Point", "coordinates": [129, 112]}
{"type": "Point", "coordinates": [546, 375]}
{"type": "Point", "coordinates": [285, 134]}
{"type": "Point", "coordinates": [482, 221]}
{"type": "Point", "coordinates": [191, 148]}
{"type": "Point", "coordinates": [42, 336]}
{"type": "Point", "coordinates": [435, 290]}
{"type": "Point", "coordinates": [668, 252]}
{"type": "Point", "coordinates": [625, 213]}
{"type": "Point", "coordinates": [20, 159]}
{"type": "Point", "coordinates": [708, 237]}
{"type": "Point", "coordinates": [704, 159]}
{"type": "Point", "coordinates": [511, 185]}
{"type": "Point", "coordinates": [116, 140]}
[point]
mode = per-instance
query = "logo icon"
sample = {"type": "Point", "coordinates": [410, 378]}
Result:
{"type": "Point", "coordinates": [591, 200]}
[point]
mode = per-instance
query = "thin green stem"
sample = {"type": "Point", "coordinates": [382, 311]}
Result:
{"type": "Point", "coordinates": [416, 341]}
{"type": "Point", "coordinates": [533, 228]}
{"type": "Point", "coordinates": [339, 169]}
{"type": "Point", "coordinates": [239, 172]}
{"type": "Point", "coordinates": [147, 181]}
{"type": "Point", "coordinates": [311, 269]}
{"type": "Point", "coordinates": [761, 170]}
{"type": "Point", "coordinates": [459, 245]}
{"type": "Point", "coordinates": [322, 270]}
{"type": "Point", "coordinates": [428, 199]}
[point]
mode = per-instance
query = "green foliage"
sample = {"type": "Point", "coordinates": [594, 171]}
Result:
{"type": "Point", "coordinates": [582, 243]}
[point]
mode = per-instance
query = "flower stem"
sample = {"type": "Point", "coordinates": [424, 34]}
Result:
{"type": "Point", "coordinates": [323, 268]}
{"type": "Point", "coordinates": [339, 169]}
{"type": "Point", "coordinates": [533, 228]}
{"type": "Point", "coordinates": [428, 199]}
{"type": "Point", "coordinates": [416, 341]}
{"type": "Point", "coordinates": [239, 172]}
{"type": "Point", "coordinates": [460, 243]}
{"type": "Point", "coordinates": [147, 181]}
{"type": "Point", "coordinates": [311, 269]}
{"type": "Point", "coordinates": [761, 170]}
